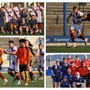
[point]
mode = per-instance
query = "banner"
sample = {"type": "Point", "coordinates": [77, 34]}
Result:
{"type": "Point", "coordinates": [63, 39]}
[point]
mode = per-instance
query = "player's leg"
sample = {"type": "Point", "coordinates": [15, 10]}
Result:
{"type": "Point", "coordinates": [20, 29]}
{"type": "Point", "coordinates": [26, 77]}
{"type": "Point", "coordinates": [40, 72]}
{"type": "Point", "coordinates": [54, 81]}
{"type": "Point", "coordinates": [39, 27]}
{"type": "Point", "coordinates": [11, 28]}
{"type": "Point", "coordinates": [27, 30]}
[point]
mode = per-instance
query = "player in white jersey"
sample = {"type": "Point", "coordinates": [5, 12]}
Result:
{"type": "Point", "coordinates": [18, 10]}
{"type": "Point", "coordinates": [31, 9]}
{"type": "Point", "coordinates": [13, 67]}
{"type": "Point", "coordinates": [76, 25]}
{"type": "Point", "coordinates": [39, 13]}
{"type": "Point", "coordinates": [40, 54]}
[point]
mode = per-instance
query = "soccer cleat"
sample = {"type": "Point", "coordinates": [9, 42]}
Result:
{"type": "Point", "coordinates": [18, 83]}
{"type": "Point", "coordinates": [5, 81]}
{"type": "Point", "coordinates": [40, 78]}
{"type": "Point", "coordinates": [26, 84]}
{"type": "Point", "coordinates": [86, 40]}
{"type": "Point", "coordinates": [35, 77]}
{"type": "Point", "coordinates": [74, 45]}
{"type": "Point", "coordinates": [32, 81]}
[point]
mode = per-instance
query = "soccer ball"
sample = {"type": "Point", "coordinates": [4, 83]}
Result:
{"type": "Point", "coordinates": [68, 44]}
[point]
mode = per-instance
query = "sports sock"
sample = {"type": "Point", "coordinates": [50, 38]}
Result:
{"type": "Point", "coordinates": [30, 74]}
{"type": "Point", "coordinates": [2, 76]}
{"type": "Point", "coordinates": [72, 36]}
{"type": "Point", "coordinates": [11, 74]}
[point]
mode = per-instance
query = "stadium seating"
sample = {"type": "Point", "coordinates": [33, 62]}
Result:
{"type": "Point", "coordinates": [54, 18]}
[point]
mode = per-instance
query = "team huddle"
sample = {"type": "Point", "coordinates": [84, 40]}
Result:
{"type": "Point", "coordinates": [71, 72]}
{"type": "Point", "coordinates": [21, 62]}
{"type": "Point", "coordinates": [18, 20]}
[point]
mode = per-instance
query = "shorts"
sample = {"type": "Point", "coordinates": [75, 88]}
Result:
{"type": "Point", "coordinates": [24, 30]}
{"type": "Point", "coordinates": [1, 24]}
{"type": "Point", "coordinates": [23, 68]}
{"type": "Point", "coordinates": [40, 67]}
{"type": "Point", "coordinates": [77, 27]}
{"type": "Point", "coordinates": [55, 79]}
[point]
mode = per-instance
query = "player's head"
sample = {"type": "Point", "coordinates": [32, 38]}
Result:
{"type": "Point", "coordinates": [83, 64]}
{"type": "Point", "coordinates": [38, 4]}
{"type": "Point", "coordinates": [57, 62]}
{"type": "Point", "coordinates": [65, 78]}
{"type": "Point", "coordinates": [5, 5]}
{"type": "Point", "coordinates": [64, 59]}
{"type": "Point", "coordinates": [71, 63]}
{"type": "Point", "coordinates": [23, 19]}
{"type": "Point", "coordinates": [77, 74]}
{"type": "Point", "coordinates": [77, 58]}
{"type": "Point", "coordinates": [28, 43]}
{"type": "Point", "coordinates": [11, 5]}
{"type": "Point", "coordinates": [23, 11]}
{"type": "Point", "coordinates": [11, 43]}
{"type": "Point", "coordinates": [85, 57]}
{"type": "Point", "coordinates": [69, 56]}
{"type": "Point", "coordinates": [19, 5]}
{"type": "Point", "coordinates": [22, 42]}
{"type": "Point", "coordinates": [75, 9]}
{"type": "Point", "coordinates": [2, 8]}
{"type": "Point", "coordinates": [69, 71]}
{"type": "Point", "coordinates": [40, 46]}
{"type": "Point", "coordinates": [32, 16]}
{"type": "Point", "coordinates": [32, 5]}
{"type": "Point", "coordinates": [13, 17]}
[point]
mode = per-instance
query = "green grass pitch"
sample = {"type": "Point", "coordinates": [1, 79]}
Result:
{"type": "Point", "coordinates": [37, 83]}
{"type": "Point", "coordinates": [48, 81]}
{"type": "Point", "coordinates": [64, 49]}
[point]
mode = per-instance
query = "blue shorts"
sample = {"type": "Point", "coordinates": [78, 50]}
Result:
{"type": "Point", "coordinates": [24, 30]}
{"type": "Point", "coordinates": [1, 24]}
{"type": "Point", "coordinates": [55, 79]}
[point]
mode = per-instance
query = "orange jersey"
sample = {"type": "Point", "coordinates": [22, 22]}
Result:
{"type": "Point", "coordinates": [68, 61]}
{"type": "Point", "coordinates": [87, 63]}
{"type": "Point", "coordinates": [23, 54]}
{"type": "Point", "coordinates": [77, 63]}
{"type": "Point", "coordinates": [83, 71]}
{"type": "Point", "coordinates": [73, 70]}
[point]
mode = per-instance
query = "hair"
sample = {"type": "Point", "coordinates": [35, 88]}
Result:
{"type": "Point", "coordinates": [75, 8]}
{"type": "Point", "coordinates": [22, 40]}
{"type": "Point", "coordinates": [11, 41]}
{"type": "Point", "coordinates": [30, 44]}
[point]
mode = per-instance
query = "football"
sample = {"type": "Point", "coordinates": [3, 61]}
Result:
{"type": "Point", "coordinates": [68, 44]}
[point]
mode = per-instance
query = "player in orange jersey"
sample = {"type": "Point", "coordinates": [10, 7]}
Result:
{"type": "Point", "coordinates": [1, 62]}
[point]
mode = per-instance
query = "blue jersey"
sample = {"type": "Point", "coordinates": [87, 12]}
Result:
{"type": "Point", "coordinates": [80, 80]}
{"type": "Point", "coordinates": [71, 78]}
{"type": "Point", "coordinates": [24, 25]}
{"type": "Point", "coordinates": [32, 22]}
{"type": "Point", "coordinates": [14, 21]}
{"type": "Point", "coordinates": [2, 15]}
{"type": "Point", "coordinates": [64, 68]}
{"type": "Point", "coordinates": [23, 15]}
{"type": "Point", "coordinates": [57, 71]}
{"type": "Point", "coordinates": [64, 84]}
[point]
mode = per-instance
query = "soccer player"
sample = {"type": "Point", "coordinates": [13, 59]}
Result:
{"type": "Point", "coordinates": [73, 68]}
{"type": "Point", "coordinates": [76, 25]}
{"type": "Point", "coordinates": [13, 25]}
{"type": "Point", "coordinates": [23, 26]}
{"type": "Point", "coordinates": [23, 57]}
{"type": "Point", "coordinates": [33, 24]}
{"type": "Point", "coordinates": [32, 9]}
{"type": "Point", "coordinates": [64, 65]}
{"type": "Point", "coordinates": [83, 70]}
{"type": "Point", "coordinates": [1, 62]}
{"type": "Point", "coordinates": [56, 74]}
{"type": "Point", "coordinates": [77, 61]}
{"type": "Point", "coordinates": [70, 77]}
{"type": "Point", "coordinates": [65, 83]}
{"type": "Point", "coordinates": [39, 13]}
{"type": "Point", "coordinates": [68, 60]}
{"type": "Point", "coordinates": [13, 69]}
{"type": "Point", "coordinates": [31, 72]}
{"type": "Point", "coordinates": [78, 81]}
{"type": "Point", "coordinates": [2, 19]}
{"type": "Point", "coordinates": [40, 55]}
{"type": "Point", "coordinates": [86, 61]}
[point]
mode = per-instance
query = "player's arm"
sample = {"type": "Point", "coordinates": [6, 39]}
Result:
{"type": "Point", "coordinates": [69, 17]}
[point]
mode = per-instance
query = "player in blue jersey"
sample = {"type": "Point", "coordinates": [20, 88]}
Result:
{"type": "Point", "coordinates": [78, 81]}
{"type": "Point", "coordinates": [56, 74]}
{"type": "Point", "coordinates": [65, 83]}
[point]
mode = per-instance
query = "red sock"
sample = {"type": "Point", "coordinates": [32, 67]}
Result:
{"type": "Point", "coordinates": [2, 76]}
{"type": "Point", "coordinates": [72, 36]}
{"type": "Point", "coordinates": [18, 77]}
{"type": "Point", "coordinates": [81, 37]}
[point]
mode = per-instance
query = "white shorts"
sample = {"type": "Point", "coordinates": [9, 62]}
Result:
{"type": "Point", "coordinates": [39, 19]}
{"type": "Point", "coordinates": [77, 27]}
{"type": "Point", "coordinates": [14, 67]}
